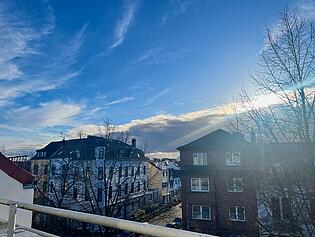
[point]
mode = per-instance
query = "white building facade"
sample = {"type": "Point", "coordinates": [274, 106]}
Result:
{"type": "Point", "coordinates": [15, 184]}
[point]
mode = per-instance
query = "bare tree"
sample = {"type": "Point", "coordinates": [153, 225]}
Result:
{"type": "Point", "coordinates": [109, 179]}
{"type": "Point", "coordinates": [285, 75]}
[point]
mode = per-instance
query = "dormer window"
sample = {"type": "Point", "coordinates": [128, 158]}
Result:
{"type": "Point", "coordinates": [232, 158]}
{"type": "Point", "coordinates": [41, 153]}
{"type": "Point", "coordinates": [200, 159]}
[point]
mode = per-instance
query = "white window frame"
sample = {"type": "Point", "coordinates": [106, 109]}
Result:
{"type": "Point", "coordinates": [237, 214]}
{"type": "Point", "coordinates": [234, 190]}
{"type": "Point", "coordinates": [200, 159]}
{"type": "Point", "coordinates": [199, 185]}
{"type": "Point", "coordinates": [232, 161]}
{"type": "Point", "coordinates": [101, 153]}
{"type": "Point", "coordinates": [200, 209]}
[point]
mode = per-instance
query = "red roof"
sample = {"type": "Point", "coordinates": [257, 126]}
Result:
{"type": "Point", "coordinates": [16, 172]}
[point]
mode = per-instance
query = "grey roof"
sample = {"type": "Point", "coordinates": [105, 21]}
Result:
{"type": "Point", "coordinates": [218, 137]}
{"type": "Point", "coordinates": [86, 146]}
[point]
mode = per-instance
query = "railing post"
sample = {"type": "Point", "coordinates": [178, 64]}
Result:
{"type": "Point", "coordinates": [12, 220]}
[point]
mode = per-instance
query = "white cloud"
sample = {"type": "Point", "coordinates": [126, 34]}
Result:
{"type": "Point", "coordinates": [119, 101]}
{"type": "Point", "coordinates": [156, 97]}
{"type": "Point", "coordinates": [156, 56]}
{"type": "Point", "coordinates": [22, 40]}
{"type": "Point", "coordinates": [48, 114]}
{"type": "Point", "coordinates": [124, 23]}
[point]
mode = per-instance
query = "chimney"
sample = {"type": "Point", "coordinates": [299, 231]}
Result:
{"type": "Point", "coordinates": [252, 136]}
{"type": "Point", "coordinates": [134, 142]}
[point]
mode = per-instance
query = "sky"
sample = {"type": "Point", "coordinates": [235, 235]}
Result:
{"type": "Point", "coordinates": [157, 68]}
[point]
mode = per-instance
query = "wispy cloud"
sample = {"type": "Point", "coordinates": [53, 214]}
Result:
{"type": "Point", "coordinates": [124, 23]}
{"type": "Point", "coordinates": [15, 39]}
{"type": "Point", "coordinates": [17, 75]}
{"type": "Point", "coordinates": [175, 8]}
{"type": "Point", "coordinates": [156, 56]}
{"type": "Point", "coordinates": [306, 9]}
{"type": "Point", "coordinates": [157, 96]}
{"type": "Point", "coordinates": [119, 101]}
{"type": "Point", "coordinates": [47, 114]}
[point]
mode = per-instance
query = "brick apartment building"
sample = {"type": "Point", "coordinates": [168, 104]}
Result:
{"type": "Point", "coordinates": [218, 195]}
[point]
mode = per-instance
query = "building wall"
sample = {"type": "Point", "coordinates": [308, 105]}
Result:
{"type": "Point", "coordinates": [77, 204]}
{"type": "Point", "coordinates": [218, 198]}
{"type": "Point", "coordinates": [13, 190]}
{"type": "Point", "coordinates": [155, 179]}
{"type": "Point", "coordinates": [40, 178]}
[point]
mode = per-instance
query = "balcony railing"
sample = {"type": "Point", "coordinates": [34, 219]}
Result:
{"type": "Point", "coordinates": [126, 225]}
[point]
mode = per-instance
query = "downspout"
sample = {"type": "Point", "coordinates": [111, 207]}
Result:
{"type": "Point", "coordinates": [216, 203]}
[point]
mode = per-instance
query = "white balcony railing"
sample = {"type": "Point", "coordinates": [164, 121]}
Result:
{"type": "Point", "coordinates": [126, 225]}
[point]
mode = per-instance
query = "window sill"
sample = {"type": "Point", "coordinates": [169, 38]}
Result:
{"type": "Point", "coordinates": [201, 219]}
{"type": "Point", "coordinates": [236, 220]}
{"type": "Point", "coordinates": [229, 191]}
{"type": "Point", "coordinates": [199, 191]}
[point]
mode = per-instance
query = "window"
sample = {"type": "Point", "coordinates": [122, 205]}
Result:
{"type": "Point", "coordinates": [101, 153]}
{"type": "Point", "coordinates": [138, 170]}
{"type": "Point", "coordinates": [119, 190]}
{"type": "Point", "coordinates": [126, 189]}
{"type": "Point", "coordinates": [200, 184]}
{"type": "Point", "coordinates": [111, 171]}
{"type": "Point", "coordinates": [45, 186]}
{"type": "Point", "coordinates": [138, 186]}
{"type": "Point", "coordinates": [312, 207]}
{"type": "Point", "coordinates": [126, 171]}
{"type": "Point", "coordinates": [164, 184]}
{"type": "Point", "coordinates": [35, 170]}
{"type": "Point", "coordinates": [53, 170]}
{"type": "Point", "coordinates": [144, 185]}
{"type": "Point", "coordinates": [201, 212]}
{"type": "Point", "coordinates": [144, 170]}
{"type": "Point", "coordinates": [200, 159]}
{"type": "Point", "coordinates": [76, 172]}
{"type": "Point", "coordinates": [132, 188]}
{"type": "Point", "coordinates": [64, 170]}
{"type": "Point", "coordinates": [86, 194]}
{"type": "Point", "coordinates": [88, 171]}
{"type": "Point", "coordinates": [232, 158]}
{"type": "Point", "coordinates": [120, 171]}
{"type": "Point", "coordinates": [235, 185]}
{"type": "Point", "coordinates": [51, 190]}
{"type": "Point", "coordinates": [99, 194]}
{"type": "Point", "coordinates": [46, 169]}
{"type": "Point", "coordinates": [64, 187]}
{"type": "Point", "coordinates": [281, 208]}
{"type": "Point", "coordinates": [100, 173]}
{"type": "Point", "coordinates": [110, 192]}
{"type": "Point", "coordinates": [75, 193]}
{"type": "Point", "coordinates": [237, 214]}
{"type": "Point", "coordinates": [132, 170]}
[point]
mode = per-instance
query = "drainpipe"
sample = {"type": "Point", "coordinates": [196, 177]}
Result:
{"type": "Point", "coordinates": [216, 202]}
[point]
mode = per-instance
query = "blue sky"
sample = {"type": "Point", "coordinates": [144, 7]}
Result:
{"type": "Point", "coordinates": [157, 68]}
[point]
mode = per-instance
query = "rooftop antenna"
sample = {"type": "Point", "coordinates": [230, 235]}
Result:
{"type": "Point", "coordinates": [62, 136]}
